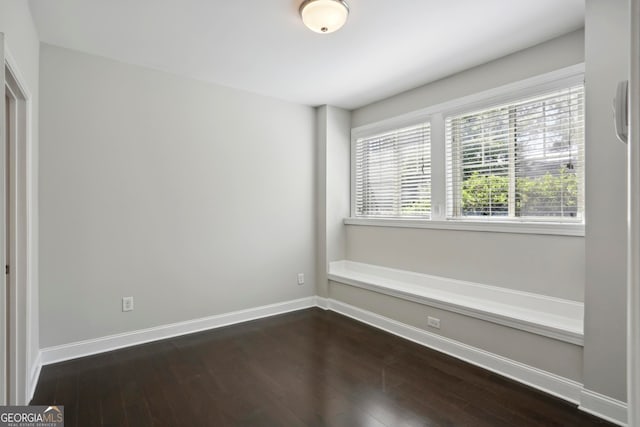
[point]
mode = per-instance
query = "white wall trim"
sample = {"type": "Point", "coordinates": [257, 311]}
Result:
{"type": "Point", "coordinates": [113, 342]}
{"type": "Point", "coordinates": [15, 71]}
{"type": "Point", "coordinates": [33, 379]}
{"type": "Point", "coordinates": [572, 391]}
{"type": "Point", "coordinates": [603, 407]}
{"type": "Point", "coordinates": [633, 224]}
{"type": "Point", "coordinates": [322, 303]}
{"type": "Point", "coordinates": [32, 367]}
{"type": "Point", "coordinates": [518, 227]}
{"type": "Point", "coordinates": [22, 222]}
{"type": "Point", "coordinates": [547, 382]}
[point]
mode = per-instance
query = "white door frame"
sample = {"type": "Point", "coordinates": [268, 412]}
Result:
{"type": "Point", "coordinates": [3, 301]}
{"type": "Point", "coordinates": [19, 143]}
{"type": "Point", "coordinates": [633, 261]}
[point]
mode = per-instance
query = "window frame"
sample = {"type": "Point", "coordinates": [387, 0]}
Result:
{"type": "Point", "coordinates": [453, 201]}
{"type": "Point", "coordinates": [373, 131]}
{"type": "Point", "coordinates": [435, 116]}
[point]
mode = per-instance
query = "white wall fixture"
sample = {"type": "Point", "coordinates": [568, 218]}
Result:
{"type": "Point", "coordinates": [324, 16]}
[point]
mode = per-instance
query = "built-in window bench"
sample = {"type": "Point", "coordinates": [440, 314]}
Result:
{"type": "Point", "coordinates": [539, 314]}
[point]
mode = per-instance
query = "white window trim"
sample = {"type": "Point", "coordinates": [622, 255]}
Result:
{"type": "Point", "coordinates": [435, 116]}
{"type": "Point", "coordinates": [545, 228]}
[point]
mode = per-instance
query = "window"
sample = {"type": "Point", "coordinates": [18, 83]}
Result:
{"type": "Point", "coordinates": [521, 161]}
{"type": "Point", "coordinates": [509, 159]}
{"type": "Point", "coordinates": [392, 176]}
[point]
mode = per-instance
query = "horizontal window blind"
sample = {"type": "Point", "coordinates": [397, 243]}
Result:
{"type": "Point", "coordinates": [522, 160]}
{"type": "Point", "coordinates": [393, 173]}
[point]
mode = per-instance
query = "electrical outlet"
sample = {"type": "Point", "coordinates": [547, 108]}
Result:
{"type": "Point", "coordinates": [127, 303]}
{"type": "Point", "coordinates": [433, 322]}
{"type": "Point", "coordinates": [300, 278]}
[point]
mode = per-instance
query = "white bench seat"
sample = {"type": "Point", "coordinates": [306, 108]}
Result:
{"type": "Point", "coordinates": [540, 314]}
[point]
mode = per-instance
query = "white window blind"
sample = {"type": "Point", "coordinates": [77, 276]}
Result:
{"type": "Point", "coordinates": [519, 161]}
{"type": "Point", "coordinates": [393, 173]}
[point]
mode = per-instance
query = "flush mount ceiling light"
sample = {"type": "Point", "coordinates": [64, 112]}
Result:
{"type": "Point", "coordinates": [324, 16]}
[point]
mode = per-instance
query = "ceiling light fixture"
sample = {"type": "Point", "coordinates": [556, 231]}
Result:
{"type": "Point", "coordinates": [324, 16]}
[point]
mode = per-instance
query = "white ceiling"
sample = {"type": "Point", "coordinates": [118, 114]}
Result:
{"type": "Point", "coordinates": [386, 47]}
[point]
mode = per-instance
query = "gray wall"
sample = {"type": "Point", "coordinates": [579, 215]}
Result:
{"type": "Point", "coordinates": [560, 52]}
{"type": "Point", "coordinates": [22, 42]}
{"type": "Point", "coordinates": [333, 127]}
{"type": "Point", "coordinates": [195, 199]}
{"type": "Point", "coordinates": [551, 265]}
{"type": "Point", "coordinates": [607, 47]}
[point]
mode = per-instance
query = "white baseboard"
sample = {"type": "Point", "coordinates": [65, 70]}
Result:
{"type": "Point", "coordinates": [113, 342]}
{"type": "Point", "coordinates": [322, 302]}
{"type": "Point", "coordinates": [33, 378]}
{"type": "Point", "coordinates": [603, 407]}
{"type": "Point", "coordinates": [553, 384]}
{"type": "Point", "coordinates": [589, 401]}
{"type": "Point", "coordinates": [594, 403]}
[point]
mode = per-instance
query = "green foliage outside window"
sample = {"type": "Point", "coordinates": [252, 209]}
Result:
{"type": "Point", "coordinates": [546, 195]}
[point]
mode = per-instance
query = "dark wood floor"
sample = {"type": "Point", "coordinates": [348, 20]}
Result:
{"type": "Point", "coordinates": [307, 368]}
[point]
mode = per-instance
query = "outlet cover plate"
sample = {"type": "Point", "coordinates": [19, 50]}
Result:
{"type": "Point", "coordinates": [433, 322]}
{"type": "Point", "coordinates": [127, 303]}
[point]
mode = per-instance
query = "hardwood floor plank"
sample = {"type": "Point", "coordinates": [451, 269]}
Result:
{"type": "Point", "coordinates": [306, 368]}
{"type": "Point", "coordinates": [89, 412]}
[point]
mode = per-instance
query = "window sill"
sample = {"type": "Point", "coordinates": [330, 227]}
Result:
{"type": "Point", "coordinates": [544, 228]}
